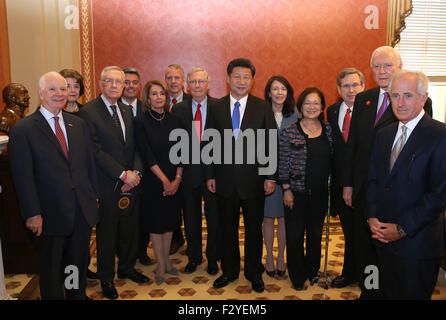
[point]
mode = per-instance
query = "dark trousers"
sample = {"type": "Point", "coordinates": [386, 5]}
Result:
{"type": "Point", "coordinates": [364, 250]}
{"type": "Point", "coordinates": [193, 223]}
{"type": "Point", "coordinates": [306, 217]}
{"type": "Point", "coordinates": [403, 278]}
{"type": "Point", "coordinates": [116, 233]}
{"type": "Point", "coordinates": [346, 216]}
{"type": "Point", "coordinates": [56, 253]}
{"type": "Point", "coordinates": [229, 218]}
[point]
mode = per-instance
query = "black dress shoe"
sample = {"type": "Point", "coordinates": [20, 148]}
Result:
{"type": "Point", "coordinates": [175, 245]}
{"type": "Point", "coordinates": [145, 260]}
{"type": "Point", "coordinates": [271, 273]}
{"type": "Point", "coordinates": [92, 275]}
{"type": "Point", "coordinates": [281, 273]}
{"type": "Point", "coordinates": [134, 276]}
{"type": "Point", "coordinates": [191, 267]}
{"type": "Point", "coordinates": [340, 282]}
{"type": "Point", "coordinates": [109, 290]}
{"type": "Point", "coordinates": [212, 267]}
{"type": "Point", "coordinates": [223, 281]}
{"type": "Point", "coordinates": [298, 286]}
{"type": "Point", "coordinates": [258, 285]}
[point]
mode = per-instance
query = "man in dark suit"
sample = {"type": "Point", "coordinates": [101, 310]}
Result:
{"type": "Point", "coordinates": [111, 128]}
{"type": "Point", "coordinates": [54, 172]}
{"type": "Point", "coordinates": [406, 192]}
{"type": "Point", "coordinates": [370, 113]}
{"type": "Point", "coordinates": [350, 82]}
{"type": "Point", "coordinates": [240, 184]}
{"type": "Point", "coordinates": [129, 97]}
{"type": "Point", "coordinates": [194, 113]}
{"type": "Point", "coordinates": [174, 77]}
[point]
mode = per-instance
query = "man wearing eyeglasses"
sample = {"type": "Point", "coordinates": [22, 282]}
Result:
{"type": "Point", "coordinates": [111, 128]}
{"type": "Point", "coordinates": [194, 113]}
{"type": "Point", "coordinates": [350, 82]}
{"type": "Point", "coordinates": [371, 112]}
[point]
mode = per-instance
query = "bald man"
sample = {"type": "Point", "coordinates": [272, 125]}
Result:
{"type": "Point", "coordinates": [54, 172]}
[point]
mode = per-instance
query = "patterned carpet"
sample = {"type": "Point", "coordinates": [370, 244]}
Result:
{"type": "Point", "coordinates": [198, 285]}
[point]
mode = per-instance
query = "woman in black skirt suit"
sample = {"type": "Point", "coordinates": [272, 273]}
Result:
{"type": "Point", "coordinates": [161, 181]}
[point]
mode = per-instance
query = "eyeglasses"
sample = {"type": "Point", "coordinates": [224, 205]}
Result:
{"type": "Point", "coordinates": [194, 82]}
{"type": "Point", "coordinates": [386, 66]}
{"type": "Point", "coordinates": [134, 82]}
{"type": "Point", "coordinates": [353, 85]}
{"type": "Point", "coordinates": [313, 103]}
{"type": "Point", "coordinates": [110, 82]}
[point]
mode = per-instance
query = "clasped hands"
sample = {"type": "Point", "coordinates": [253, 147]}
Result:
{"type": "Point", "coordinates": [384, 232]}
{"type": "Point", "coordinates": [131, 179]}
{"type": "Point", "coordinates": [171, 187]}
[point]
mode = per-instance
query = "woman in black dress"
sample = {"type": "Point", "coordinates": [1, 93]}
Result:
{"type": "Point", "coordinates": [161, 181]}
{"type": "Point", "coordinates": [305, 153]}
{"type": "Point", "coordinates": [75, 89]}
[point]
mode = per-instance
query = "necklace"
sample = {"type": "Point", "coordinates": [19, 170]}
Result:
{"type": "Point", "coordinates": [310, 130]}
{"type": "Point", "coordinates": [162, 117]}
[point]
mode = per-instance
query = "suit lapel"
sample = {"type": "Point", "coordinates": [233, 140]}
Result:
{"type": "Point", "coordinates": [45, 128]}
{"type": "Point", "coordinates": [248, 114]}
{"type": "Point", "coordinates": [226, 116]}
{"type": "Point", "coordinates": [105, 114]}
{"type": "Point", "coordinates": [335, 120]}
{"type": "Point", "coordinates": [127, 118]}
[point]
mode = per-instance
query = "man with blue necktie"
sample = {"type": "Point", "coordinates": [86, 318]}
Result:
{"type": "Point", "coordinates": [239, 185]}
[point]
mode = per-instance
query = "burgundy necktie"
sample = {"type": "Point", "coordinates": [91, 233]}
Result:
{"type": "Point", "coordinates": [174, 102]}
{"type": "Point", "coordinates": [383, 107]}
{"type": "Point", "coordinates": [197, 122]}
{"type": "Point", "coordinates": [60, 136]}
{"type": "Point", "coordinates": [346, 124]}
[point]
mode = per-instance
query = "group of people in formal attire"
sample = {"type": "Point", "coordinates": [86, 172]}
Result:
{"type": "Point", "coordinates": [108, 164]}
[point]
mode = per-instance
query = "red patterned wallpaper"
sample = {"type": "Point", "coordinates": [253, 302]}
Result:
{"type": "Point", "coordinates": [307, 41]}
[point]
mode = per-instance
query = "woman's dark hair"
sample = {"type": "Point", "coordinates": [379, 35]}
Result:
{"type": "Point", "coordinates": [305, 93]}
{"type": "Point", "coordinates": [288, 105]}
{"type": "Point", "coordinates": [70, 73]}
{"type": "Point", "coordinates": [241, 62]}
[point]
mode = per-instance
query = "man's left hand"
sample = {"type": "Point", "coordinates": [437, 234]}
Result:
{"type": "Point", "coordinates": [384, 232]}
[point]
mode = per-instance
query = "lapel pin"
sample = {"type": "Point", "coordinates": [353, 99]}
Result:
{"type": "Point", "coordinates": [70, 125]}
{"type": "Point", "coordinates": [367, 102]}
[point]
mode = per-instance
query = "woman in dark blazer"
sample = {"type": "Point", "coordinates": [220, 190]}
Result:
{"type": "Point", "coordinates": [280, 94]}
{"type": "Point", "coordinates": [161, 181]}
{"type": "Point", "coordinates": [305, 155]}
{"type": "Point", "coordinates": [75, 89]}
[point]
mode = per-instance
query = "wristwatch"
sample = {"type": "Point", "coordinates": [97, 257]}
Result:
{"type": "Point", "coordinates": [401, 231]}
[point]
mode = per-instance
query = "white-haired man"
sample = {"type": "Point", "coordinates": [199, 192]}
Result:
{"type": "Point", "coordinates": [371, 112]}
{"type": "Point", "coordinates": [111, 128]}
{"type": "Point", "coordinates": [406, 192]}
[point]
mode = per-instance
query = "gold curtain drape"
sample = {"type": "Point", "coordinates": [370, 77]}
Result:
{"type": "Point", "coordinates": [399, 10]}
{"type": "Point", "coordinates": [5, 66]}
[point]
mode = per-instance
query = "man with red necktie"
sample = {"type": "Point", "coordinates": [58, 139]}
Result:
{"type": "Point", "coordinates": [194, 113]}
{"type": "Point", "coordinates": [350, 82]}
{"type": "Point", "coordinates": [371, 112]}
{"type": "Point", "coordinates": [54, 171]}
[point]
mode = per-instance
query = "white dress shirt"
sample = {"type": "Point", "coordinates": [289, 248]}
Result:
{"type": "Point", "coordinates": [410, 127]}
{"type": "Point", "coordinates": [118, 111]}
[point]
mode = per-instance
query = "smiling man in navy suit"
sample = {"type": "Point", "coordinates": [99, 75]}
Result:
{"type": "Point", "coordinates": [54, 172]}
{"type": "Point", "coordinates": [406, 192]}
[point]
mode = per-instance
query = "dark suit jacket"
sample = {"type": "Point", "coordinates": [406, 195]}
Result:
{"type": "Point", "coordinates": [413, 194]}
{"type": "Point", "coordinates": [242, 178]}
{"type": "Point", "coordinates": [339, 146]}
{"type": "Point", "coordinates": [361, 136]}
{"type": "Point", "coordinates": [139, 107]}
{"type": "Point", "coordinates": [193, 174]}
{"type": "Point", "coordinates": [46, 182]}
{"type": "Point", "coordinates": [113, 155]}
